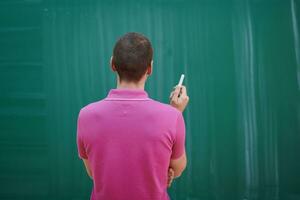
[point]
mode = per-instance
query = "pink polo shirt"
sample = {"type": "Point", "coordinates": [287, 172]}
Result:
{"type": "Point", "coordinates": [129, 139]}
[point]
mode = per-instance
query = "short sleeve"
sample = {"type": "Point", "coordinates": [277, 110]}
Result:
{"type": "Point", "coordinates": [178, 148]}
{"type": "Point", "coordinates": [80, 145]}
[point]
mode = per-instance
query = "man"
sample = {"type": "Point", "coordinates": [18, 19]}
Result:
{"type": "Point", "coordinates": [132, 146]}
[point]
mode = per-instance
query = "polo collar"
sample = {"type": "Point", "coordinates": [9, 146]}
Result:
{"type": "Point", "coordinates": [127, 94]}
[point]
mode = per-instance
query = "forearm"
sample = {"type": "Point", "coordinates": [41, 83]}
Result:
{"type": "Point", "coordinates": [178, 165]}
{"type": "Point", "coordinates": [88, 171]}
{"type": "Point", "coordinates": [88, 168]}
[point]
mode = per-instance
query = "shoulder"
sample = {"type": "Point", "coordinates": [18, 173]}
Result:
{"type": "Point", "coordinates": [90, 108]}
{"type": "Point", "coordinates": [165, 108]}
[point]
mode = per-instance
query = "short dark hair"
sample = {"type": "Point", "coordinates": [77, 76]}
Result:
{"type": "Point", "coordinates": [132, 55]}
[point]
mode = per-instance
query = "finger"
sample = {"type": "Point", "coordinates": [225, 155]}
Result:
{"type": "Point", "coordinates": [175, 94]}
{"type": "Point", "coordinates": [183, 90]}
{"type": "Point", "coordinates": [179, 95]}
{"type": "Point", "coordinates": [170, 183]}
{"type": "Point", "coordinates": [172, 174]}
{"type": "Point", "coordinates": [171, 171]}
{"type": "Point", "coordinates": [171, 95]}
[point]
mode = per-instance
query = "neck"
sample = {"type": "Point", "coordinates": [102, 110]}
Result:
{"type": "Point", "coordinates": [130, 85]}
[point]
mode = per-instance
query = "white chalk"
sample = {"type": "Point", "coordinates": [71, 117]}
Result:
{"type": "Point", "coordinates": [181, 80]}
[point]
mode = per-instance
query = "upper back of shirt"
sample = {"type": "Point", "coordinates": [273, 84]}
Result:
{"type": "Point", "coordinates": [129, 139]}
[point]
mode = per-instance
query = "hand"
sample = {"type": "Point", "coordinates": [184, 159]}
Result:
{"type": "Point", "coordinates": [179, 98]}
{"type": "Point", "coordinates": [170, 176]}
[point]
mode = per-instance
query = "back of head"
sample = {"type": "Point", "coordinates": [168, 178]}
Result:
{"type": "Point", "coordinates": [132, 55]}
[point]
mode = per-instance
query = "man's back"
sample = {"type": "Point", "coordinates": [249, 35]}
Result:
{"type": "Point", "coordinates": [129, 139]}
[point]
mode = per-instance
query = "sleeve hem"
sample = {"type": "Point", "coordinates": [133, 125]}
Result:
{"type": "Point", "coordinates": [174, 157]}
{"type": "Point", "coordinates": [82, 156]}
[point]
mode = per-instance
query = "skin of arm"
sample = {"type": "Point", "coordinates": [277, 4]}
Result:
{"type": "Point", "coordinates": [178, 165]}
{"type": "Point", "coordinates": [88, 168]}
{"type": "Point", "coordinates": [178, 99]}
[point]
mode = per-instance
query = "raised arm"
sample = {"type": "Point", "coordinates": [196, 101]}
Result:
{"type": "Point", "coordinates": [178, 162]}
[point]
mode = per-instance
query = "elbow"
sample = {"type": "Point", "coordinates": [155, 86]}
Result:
{"type": "Point", "coordinates": [177, 175]}
{"type": "Point", "coordinates": [178, 165]}
{"type": "Point", "coordinates": [179, 172]}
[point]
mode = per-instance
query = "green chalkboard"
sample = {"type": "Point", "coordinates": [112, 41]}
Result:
{"type": "Point", "coordinates": [241, 59]}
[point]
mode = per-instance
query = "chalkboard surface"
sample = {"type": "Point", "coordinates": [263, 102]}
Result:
{"type": "Point", "coordinates": [241, 59]}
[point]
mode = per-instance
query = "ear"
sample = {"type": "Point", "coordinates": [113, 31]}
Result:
{"type": "Point", "coordinates": [149, 69]}
{"type": "Point", "coordinates": [112, 65]}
